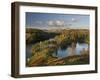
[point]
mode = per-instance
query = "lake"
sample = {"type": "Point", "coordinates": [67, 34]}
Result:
{"type": "Point", "coordinates": [73, 49]}
{"type": "Point", "coordinates": [28, 50]}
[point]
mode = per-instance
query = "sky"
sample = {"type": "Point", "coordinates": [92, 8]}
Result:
{"type": "Point", "coordinates": [56, 21]}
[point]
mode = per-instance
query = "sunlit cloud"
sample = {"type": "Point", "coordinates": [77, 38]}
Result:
{"type": "Point", "coordinates": [56, 23]}
{"type": "Point", "coordinates": [74, 20]}
{"type": "Point", "coordinates": [50, 23]}
{"type": "Point", "coordinates": [59, 22]}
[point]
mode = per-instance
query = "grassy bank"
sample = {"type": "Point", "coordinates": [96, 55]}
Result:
{"type": "Point", "coordinates": [44, 47]}
{"type": "Point", "coordinates": [53, 61]}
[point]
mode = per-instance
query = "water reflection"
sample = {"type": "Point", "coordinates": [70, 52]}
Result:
{"type": "Point", "coordinates": [28, 51]}
{"type": "Point", "coordinates": [73, 49]}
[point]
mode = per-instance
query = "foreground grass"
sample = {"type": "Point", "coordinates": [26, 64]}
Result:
{"type": "Point", "coordinates": [42, 60]}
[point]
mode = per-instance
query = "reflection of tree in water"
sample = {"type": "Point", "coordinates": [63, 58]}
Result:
{"type": "Point", "coordinates": [72, 49]}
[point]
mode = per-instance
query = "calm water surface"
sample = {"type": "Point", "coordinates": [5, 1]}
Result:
{"type": "Point", "coordinates": [61, 53]}
{"type": "Point", "coordinates": [77, 50]}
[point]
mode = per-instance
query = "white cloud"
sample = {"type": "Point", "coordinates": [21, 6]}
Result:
{"type": "Point", "coordinates": [56, 23]}
{"type": "Point", "coordinates": [50, 23]}
{"type": "Point", "coordinates": [38, 22]}
{"type": "Point", "coordinates": [59, 22]}
{"type": "Point", "coordinates": [74, 20]}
